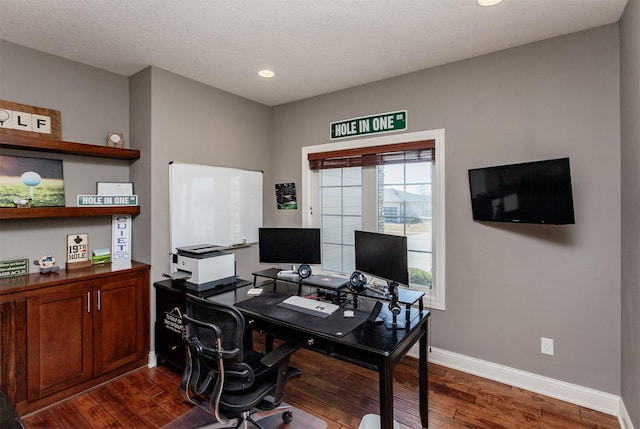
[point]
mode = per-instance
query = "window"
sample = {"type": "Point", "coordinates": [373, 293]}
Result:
{"type": "Point", "coordinates": [366, 184]}
{"type": "Point", "coordinates": [340, 214]}
{"type": "Point", "coordinates": [404, 199]}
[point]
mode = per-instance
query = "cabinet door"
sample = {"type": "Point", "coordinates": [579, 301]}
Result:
{"type": "Point", "coordinates": [59, 333]}
{"type": "Point", "coordinates": [13, 349]}
{"type": "Point", "coordinates": [119, 322]}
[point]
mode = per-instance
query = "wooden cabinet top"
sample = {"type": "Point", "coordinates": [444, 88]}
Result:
{"type": "Point", "coordinates": [36, 281]}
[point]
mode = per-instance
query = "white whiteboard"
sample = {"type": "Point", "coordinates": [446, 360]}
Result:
{"type": "Point", "coordinates": [213, 205]}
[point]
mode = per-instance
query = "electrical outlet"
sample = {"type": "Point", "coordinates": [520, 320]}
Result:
{"type": "Point", "coordinates": [546, 346]}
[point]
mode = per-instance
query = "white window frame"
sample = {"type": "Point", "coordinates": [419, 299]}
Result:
{"type": "Point", "coordinates": [310, 201]}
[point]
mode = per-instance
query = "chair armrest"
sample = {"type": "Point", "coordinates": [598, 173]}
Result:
{"type": "Point", "coordinates": [275, 356]}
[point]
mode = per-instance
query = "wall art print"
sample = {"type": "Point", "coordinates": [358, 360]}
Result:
{"type": "Point", "coordinates": [286, 196]}
{"type": "Point", "coordinates": [35, 182]}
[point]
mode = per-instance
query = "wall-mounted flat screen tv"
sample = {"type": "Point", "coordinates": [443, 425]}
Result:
{"type": "Point", "coordinates": [530, 192]}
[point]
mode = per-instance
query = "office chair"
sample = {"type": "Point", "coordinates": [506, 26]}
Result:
{"type": "Point", "coordinates": [223, 375]}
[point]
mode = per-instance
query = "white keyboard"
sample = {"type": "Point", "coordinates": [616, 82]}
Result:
{"type": "Point", "coordinates": [309, 306]}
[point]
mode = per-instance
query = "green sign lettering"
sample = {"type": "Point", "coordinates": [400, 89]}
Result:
{"type": "Point", "coordinates": [380, 123]}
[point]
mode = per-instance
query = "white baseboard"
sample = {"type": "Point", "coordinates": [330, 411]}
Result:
{"type": "Point", "coordinates": [582, 396]}
{"type": "Point", "coordinates": [624, 418]}
{"type": "Point", "coordinates": [153, 360]}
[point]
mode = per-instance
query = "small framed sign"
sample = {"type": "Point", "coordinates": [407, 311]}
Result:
{"type": "Point", "coordinates": [16, 267]}
{"type": "Point", "coordinates": [114, 188]}
{"type": "Point", "coordinates": [78, 251]}
{"type": "Point", "coordinates": [121, 238]}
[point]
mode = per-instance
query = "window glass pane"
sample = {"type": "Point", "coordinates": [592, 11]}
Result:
{"type": "Point", "coordinates": [351, 176]}
{"type": "Point", "coordinates": [351, 223]}
{"type": "Point", "coordinates": [417, 204]}
{"type": "Point", "coordinates": [332, 257]}
{"type": "Point", "coordinates": [332, 201]}
{"type": "Point", "coordinates": [393, 210]}
{"type": "Point", "coordinates": [332, 229]}
{"type": "Point", "coordinates": [420, 273]}
{"type": "Point", "coordinates": [331, 177]}
{"type": "Point", "coordinates": [419, 172]}
{"type": "Point", "coordinates": [352, 201]}
{"type": "Point", "coordinates": [349, 259]}
{"type": "Point", "coordinates": [393, 173]}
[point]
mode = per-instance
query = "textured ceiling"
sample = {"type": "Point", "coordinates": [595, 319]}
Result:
{"type": "Point", "coordinates": [314, 46]}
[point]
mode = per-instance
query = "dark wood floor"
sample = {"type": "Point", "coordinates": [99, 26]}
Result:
{"type": "Point", "coordinates": [339, 393]}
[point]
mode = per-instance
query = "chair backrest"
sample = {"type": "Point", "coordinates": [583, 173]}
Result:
{"type": "Point", "coordinates": [228, 319]}
{"type": "Point", "coordinates": [213, 335]}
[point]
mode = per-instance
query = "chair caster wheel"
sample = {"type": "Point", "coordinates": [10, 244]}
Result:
{"type": "Point", "coordinates": [287, 417]}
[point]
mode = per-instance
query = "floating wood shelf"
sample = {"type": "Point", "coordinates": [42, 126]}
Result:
{"type": "Point", "coordinates": [59, 146]}
{"type": "Point", "coordinates": [51, 212]}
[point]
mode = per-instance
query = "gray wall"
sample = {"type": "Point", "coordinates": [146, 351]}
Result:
{"type": "Point", "coordinates": [630, 136]}
{"type": "Point", "coordinates": [91, 102]}
{"type": "Point", "coordinates": [193, 123]}
{"type": "Point", "coordinates": [509, 285]}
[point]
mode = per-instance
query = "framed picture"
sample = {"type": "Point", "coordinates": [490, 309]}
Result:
{"type": "Point", "coordinates": [286, 196]}
{"type": "Point", "coordinates": [114, 188]}
{"type": "Point", "coordinates": [37, 182]}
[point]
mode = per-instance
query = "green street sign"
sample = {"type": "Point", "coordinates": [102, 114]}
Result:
{"type": "Point", "coordinates": [374, 124]}
{"type": "Point", "coordinates": [107, 200]}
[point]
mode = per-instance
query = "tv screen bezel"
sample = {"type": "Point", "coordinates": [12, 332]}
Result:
{"type": "Point", "coordinates": [382, 261]}
{"type": "Point", "coordinates": [303, 245]}
{"type": "Point", "coordinates": [561, 191]}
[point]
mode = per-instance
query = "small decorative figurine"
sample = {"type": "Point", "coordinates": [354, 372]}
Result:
{"type": "Point", "coordinates": [115, 139]}
{"type": "Point", "coordinates": [47, 264]}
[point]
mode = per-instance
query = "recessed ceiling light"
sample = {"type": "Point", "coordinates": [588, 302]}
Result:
{"type": "Point", "coordinates": [489, 2]}
{"type": "Point", "coordinates": [266, 73]}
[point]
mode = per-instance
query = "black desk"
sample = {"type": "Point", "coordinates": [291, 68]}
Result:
{"type": "Point", "coordinates": [408, 297]}
{"type": "Point", "coordinates": [370, 346]}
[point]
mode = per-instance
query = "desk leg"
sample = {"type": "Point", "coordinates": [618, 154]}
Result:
{"type": "Point", "coordinates": [424, 378]}
{"type": "Point", "coordinates": [385, 375]}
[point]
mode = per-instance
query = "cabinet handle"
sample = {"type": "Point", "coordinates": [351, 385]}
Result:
{"type": "Point", "coordinates": [99, 304]}
{"type": "Point", "coordinates": [88, 302]}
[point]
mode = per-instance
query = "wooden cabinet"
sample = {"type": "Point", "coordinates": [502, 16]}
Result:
{"type": "Point", "coordinates": [59, 340]}
{"type": "Point", "coordinates": [118, 322]}
{"type": "Point", "coordinates": [64, 333]}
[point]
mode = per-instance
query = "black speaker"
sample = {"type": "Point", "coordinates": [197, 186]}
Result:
{"type": "Point", "coordinates": [304, 271]}
{"type": "Point", "coordinates": [357, 280]}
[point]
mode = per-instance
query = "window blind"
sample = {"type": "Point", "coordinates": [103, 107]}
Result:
{"type": "Point", "coordinates": [400, 153]}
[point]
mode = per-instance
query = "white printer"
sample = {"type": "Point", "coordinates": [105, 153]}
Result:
{"type": "Point", "coordinates": [205, 266]}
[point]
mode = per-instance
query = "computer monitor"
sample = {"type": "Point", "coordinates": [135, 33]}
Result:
{"type": "Point", "coordinates": [383, 256]}
{"type": "Point", "coordinates": [289, 246]}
